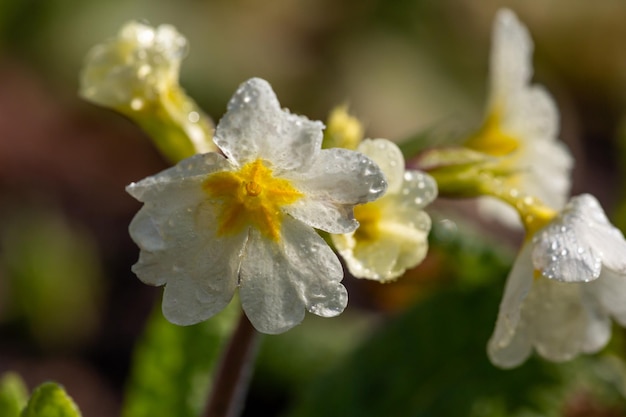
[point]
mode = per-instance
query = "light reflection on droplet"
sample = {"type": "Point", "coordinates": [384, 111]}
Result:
{"type": "Point", "coordinates": [193, 117]}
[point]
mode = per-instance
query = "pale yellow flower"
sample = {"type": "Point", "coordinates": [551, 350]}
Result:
{"type": "Point", "coordinates": [393, 232]}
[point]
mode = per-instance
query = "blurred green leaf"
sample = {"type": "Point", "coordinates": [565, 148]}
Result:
{"type": "Point", "coordinates": [55, 274]}
{"type": "Point", "coordinates": [431, 361]}
{"type": "Point", "coordinates": [172, 367]}
{"type": "Point", "coordinates": [50, 400]}
{"type": "Point", "coordinates": [294, 357]}
{"type": "Point", "coordinates": [13, 395]}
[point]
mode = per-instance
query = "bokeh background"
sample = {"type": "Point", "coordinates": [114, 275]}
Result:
{"type": "Point", "coordinates": [72, 311]}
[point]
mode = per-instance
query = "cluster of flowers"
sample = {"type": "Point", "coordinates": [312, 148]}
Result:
{"type": "Point", "coordinates": [238, 210]}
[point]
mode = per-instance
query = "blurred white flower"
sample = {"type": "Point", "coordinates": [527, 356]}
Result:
{"type": "Point", "coordinates": [393, 232]}
{"type": "Point", "coordinates": [212, 224]}
{"type": "Point", "coordinates": [136, 73]}
{"type": "Point", "coordinates": [134, 68]}
{"type": "Point", "coordinates": [521, 124]}
{"type": "Point", "coordinates": [566, 284]}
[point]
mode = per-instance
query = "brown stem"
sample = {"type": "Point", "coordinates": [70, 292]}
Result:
{"type": "Point", "coordinates": [230, 384]}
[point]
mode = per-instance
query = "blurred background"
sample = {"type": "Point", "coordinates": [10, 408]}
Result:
{"type": "Point", "coordinates": [72, 311]}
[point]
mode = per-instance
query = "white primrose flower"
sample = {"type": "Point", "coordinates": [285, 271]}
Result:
{"type": "Point", "coordinates": [135, 67]}
{"type": "Point", "coordinates": [521, 124]}
{"type": "Point", "coordinates": [393, 232]}
{"type": "Point", "coordinates": [566, 284]}
{"type": "Point", "coordinates": [136, 73]}
{"type": "Point", "coordinates": [214, 223]}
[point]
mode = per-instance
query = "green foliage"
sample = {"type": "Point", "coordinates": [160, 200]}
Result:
{"type": "Point", "coordinates": [13, 395]}
{"type": "Point", "coordinates": [172, 365]}
{"type": "Point", "coordinates": [55, 275]}
{"type": "Point", "coordinates": [50, 400]}
{"type": "Point", "coordinates": [431, 361]}
{"type": "Point", "coordinates": [289, 360]}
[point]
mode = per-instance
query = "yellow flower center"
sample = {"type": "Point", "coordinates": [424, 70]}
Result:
{"type": "Point", "coordinates": [369, 216]}
{"type": "Point", "coordinates": [490, 138]}
{"type": "Point", "coordinates": [250, 197]}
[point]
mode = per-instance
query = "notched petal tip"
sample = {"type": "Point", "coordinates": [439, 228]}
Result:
{"type": "Point", "coordinates": [255, 126]}
{"type": "Point", "coordinates": [511, 53]}
{"type": "Point", "coordinates": [254, 92]}
{"type": "Point", "coordinates": [328, 302]}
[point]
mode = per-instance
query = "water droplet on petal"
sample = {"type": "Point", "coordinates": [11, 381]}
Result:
{"type": "Point", "coordinates": [193, 117]}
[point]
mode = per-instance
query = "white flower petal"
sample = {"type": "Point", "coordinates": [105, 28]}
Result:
{"type": "Point", "coordinates": [268, 297]}
{"type": "Point", "coordinates": [515, 352]}
{"type": "Point", "coordinates": [324, 215]}
{"type": "Point", "coordinates": [256, 127]}
{"type": "Point", "coordinates": [561, 252]}
{"type": "Point", "coordinates": [315, 269]}
{"type": "Point", "coordinates": [388, 157]}
{"type": "Point", "coordinates": [566, 315]}
{"type": "Point", "coordinates": [337, 180]}
{"type": "Point", "coordinates": [527, 115]}
{"type": "Point", "coordinates": [518, 286]}
{"type": "Point", "coordinates": [578, 242]}
{"type": "Point", "coordinates": [491, 207]}
{"type": "Point", "coordinates": [375, 260]}
{"type": "Point", "coordinates": [599, 232]}
{"type": "Point", "coordinates": [181, 250]}
{"type": "Point", "coordinates": [413, 239]}
{"type": "Point", "coordinates": [531, 114]}
{"type": "Point", "coordinates": [511, 52]}
{"type": "Point", "coordinates": [188, 173]}
{"type": "Point", "coordinates": [278, 281]}
{"type": "Point", "coordinates": [564, 322]}
{"type": "Point", "coordinates": [341, 176]}
{"type": "Point", "coordinates": [417, 191]}
{"type": "Point", "coordinates": [610, 290]}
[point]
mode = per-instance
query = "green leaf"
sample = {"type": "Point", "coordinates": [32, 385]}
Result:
{"type": "Point", "coordinates": [54, 275]}
{"type": "Point", "coordinates": [172, 367]}
{"type": "Point", "coordinates": [50, 400]}
{"type": "Point", "coordinates": [432, 361]}
{"type": "Point", "coordinates": [13, 395]}
{"type": "Point", "coordinates": [429, 362]}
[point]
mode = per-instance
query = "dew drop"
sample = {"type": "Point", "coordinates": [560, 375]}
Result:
{"type": "Point", "coordinates": [193, 117]}
{"type": "Point", "coordinates": [377, 188]}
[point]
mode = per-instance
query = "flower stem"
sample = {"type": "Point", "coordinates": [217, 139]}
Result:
{"type": "Point", "coordinates": [230, 384]}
